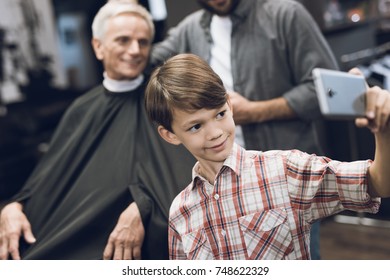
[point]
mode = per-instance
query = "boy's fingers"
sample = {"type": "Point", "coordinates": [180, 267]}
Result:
{"type": "Point", "coordinates": [382, 109]}
{"type": "Point", "coordinates": [355, 71]}
{"type": "Point", "coordinates": [380, 99]}
{"type": "Point", "coordinates": [361, 122]}
{"type": "Point", "coordinates": [371, 102]}
{"type": "Point", "coordinates": [377, 108]}
{"type": "Point", "coordinates": [385, 111]}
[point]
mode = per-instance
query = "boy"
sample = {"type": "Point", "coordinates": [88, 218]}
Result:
{"type": "Point", "coordinates": [251, 204]}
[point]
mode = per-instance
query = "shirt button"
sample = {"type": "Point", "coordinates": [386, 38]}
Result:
{"type": "Point", "coordinates": [223, 233]}
{"type": "Point", "coordinates": [216, 196]}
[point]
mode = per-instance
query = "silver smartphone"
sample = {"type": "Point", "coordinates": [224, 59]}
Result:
{"type": "Point", "coordinates": [341, 95]}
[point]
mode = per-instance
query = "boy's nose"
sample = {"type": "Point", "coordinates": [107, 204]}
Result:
{"type": "Point", "coordinates": [214, 132]}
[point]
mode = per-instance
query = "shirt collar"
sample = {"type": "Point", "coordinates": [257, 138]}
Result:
{"type": "Point", "coordinates": [235, 162]}
{"type": "Point", "coordinates": [122, 86]}
{"type": "Point", "coordinates": [236, 159]}
{"type": "Point", "coordinates": [243, 8]}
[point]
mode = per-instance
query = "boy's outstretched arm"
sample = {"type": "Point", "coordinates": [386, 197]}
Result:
{"type": "Point", "coordinates": [378, 121]}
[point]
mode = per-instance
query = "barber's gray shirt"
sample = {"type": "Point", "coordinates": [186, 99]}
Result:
{"type": "Point", "coordinates": [275, 46]}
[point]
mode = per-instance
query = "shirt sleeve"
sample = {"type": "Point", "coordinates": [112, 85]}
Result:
{"type": "Point", "coordinates": [143, 201]}
{"type": "Point", "coordinates": [173, 44]}
{"type": "Point", "coordinates": [307, 49]}
{"type": "Point", "coordinates": [321, 187]}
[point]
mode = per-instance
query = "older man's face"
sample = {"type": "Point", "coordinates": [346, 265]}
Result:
{"type": "Point", "coordinates": [125, 47]}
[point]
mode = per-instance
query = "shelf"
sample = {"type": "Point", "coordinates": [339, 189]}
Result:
{"type": "Point", "coordinates": [335, 16]}
{"type": "Point", "coordinates": [378, 20]}
{"type": "Point", "coordinates": [347, 26]}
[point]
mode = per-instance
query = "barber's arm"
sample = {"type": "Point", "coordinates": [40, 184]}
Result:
{"type": "Point", "coordinates": [175, 42]}
{"type": "Point", "coordinates": [307, 49]}
{"type": "Point", "coordinates": [246, 111]}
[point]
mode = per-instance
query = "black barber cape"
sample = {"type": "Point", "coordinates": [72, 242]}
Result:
{"type": "Point", "coordinates": [104, 155]}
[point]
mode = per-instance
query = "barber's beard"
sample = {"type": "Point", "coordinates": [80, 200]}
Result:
{"type": "Point", "coordinates": [206, 6]}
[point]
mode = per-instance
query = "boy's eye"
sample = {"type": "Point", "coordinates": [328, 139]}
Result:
{"type": "Point", "coordinates": [194, 128]}
{"type": "Point", "coordinates": [221, 114]}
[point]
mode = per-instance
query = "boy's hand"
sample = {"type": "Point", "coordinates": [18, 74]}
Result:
{"type": "Point", "coordinates": [378, 121]}
{"type": "Point", "coordinates": [377, 111]}
{"type": "Point", "coordinates": [377, 108]}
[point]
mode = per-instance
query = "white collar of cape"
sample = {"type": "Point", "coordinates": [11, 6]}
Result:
{"type": "Point", "coordinates": [122, 86]}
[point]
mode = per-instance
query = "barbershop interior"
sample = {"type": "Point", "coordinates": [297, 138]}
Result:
{"type": "Point", "coordinates": [47, 61]}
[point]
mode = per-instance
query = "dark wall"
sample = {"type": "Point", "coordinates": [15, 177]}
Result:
{"type": "Point", "coordinates": [178, 9]}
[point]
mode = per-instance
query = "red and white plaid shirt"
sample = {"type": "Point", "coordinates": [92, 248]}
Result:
{"type": "Point", "coordinates": [262, 205]}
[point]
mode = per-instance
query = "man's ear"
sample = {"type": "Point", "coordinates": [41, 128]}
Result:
{"type": "Point", "coordinates": [168, 136]}
{"type": "Point", "coordinates": [98, 48]}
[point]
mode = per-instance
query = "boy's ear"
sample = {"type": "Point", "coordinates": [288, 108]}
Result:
{"type": "Point", "coordinates": [168, 136]}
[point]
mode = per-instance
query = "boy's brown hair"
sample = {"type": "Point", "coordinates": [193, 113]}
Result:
{"type": "Point", "coordinates": [184, 82]}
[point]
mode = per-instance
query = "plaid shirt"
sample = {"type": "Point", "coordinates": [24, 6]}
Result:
{"type": "Point", "coordinates": [262, 205]}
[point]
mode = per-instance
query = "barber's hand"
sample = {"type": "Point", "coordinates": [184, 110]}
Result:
{"type": "Point", "coordinates": [126, 239]}
{"type": "Point", "coordinates": [13, 224]}
{"type": "Point", "coordinates": [241, 108]}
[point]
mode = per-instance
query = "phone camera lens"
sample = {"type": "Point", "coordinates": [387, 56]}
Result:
{"type": "Point", "coordinates": [331, 93]}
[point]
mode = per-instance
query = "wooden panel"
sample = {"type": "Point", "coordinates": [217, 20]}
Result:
{"type": "Point", "coordinates": [341, 241]}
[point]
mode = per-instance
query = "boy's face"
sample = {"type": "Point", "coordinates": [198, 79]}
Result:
{"type": "Point", "coordinates": [207, 134]}
{"type": "Point", "coordinates": [125, 47]}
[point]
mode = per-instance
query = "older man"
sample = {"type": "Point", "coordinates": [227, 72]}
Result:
{"type": "Point", "coordinates": [104, 188]}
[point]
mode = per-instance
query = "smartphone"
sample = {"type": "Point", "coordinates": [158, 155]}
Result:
{"type": "Point", "coordinates": [341, 95]}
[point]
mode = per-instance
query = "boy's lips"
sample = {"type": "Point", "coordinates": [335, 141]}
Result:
{"type": "Point", "coordinates": [218, 145]}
